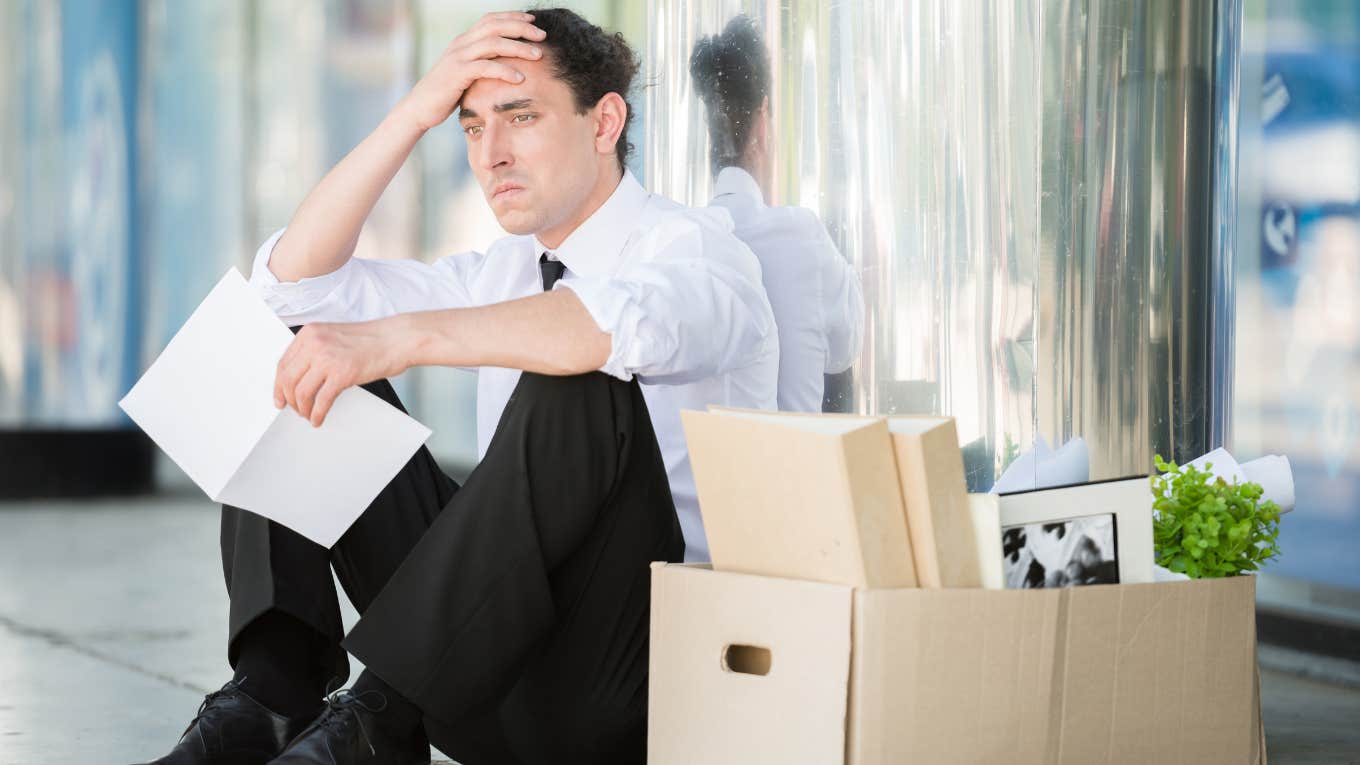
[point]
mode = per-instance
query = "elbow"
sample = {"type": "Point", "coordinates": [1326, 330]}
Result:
{"type": "Point", "coordinates": [589, 354]}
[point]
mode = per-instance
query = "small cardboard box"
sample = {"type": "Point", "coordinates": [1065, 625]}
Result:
{"type": "Point", "coordinates": [748, 669]}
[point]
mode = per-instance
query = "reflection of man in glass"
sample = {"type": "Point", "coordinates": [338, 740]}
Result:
{"type": "Point", "coordinates": [816, 297]}
{"type": "Point", "coordinates": [507, 619]}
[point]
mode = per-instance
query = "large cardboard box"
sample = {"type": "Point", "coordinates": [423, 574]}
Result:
{"type": "Point", "coordinates": [748, 669]}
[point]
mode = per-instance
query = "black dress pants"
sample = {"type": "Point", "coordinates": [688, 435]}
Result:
{"type": "Point", "coordinates": [514, 610]}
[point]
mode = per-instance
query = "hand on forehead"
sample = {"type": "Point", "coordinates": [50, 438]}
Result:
{"type": "Point", "coordinates": [510, 40]}
{"type": "Point", "coordinates": [486, 93]}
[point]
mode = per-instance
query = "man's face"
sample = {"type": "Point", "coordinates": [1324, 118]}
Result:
{"type": "Point", "coordinates": [528, 135]}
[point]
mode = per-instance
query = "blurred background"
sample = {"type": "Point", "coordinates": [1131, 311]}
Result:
{"type": "Point", "coordinates": [1128, 225]}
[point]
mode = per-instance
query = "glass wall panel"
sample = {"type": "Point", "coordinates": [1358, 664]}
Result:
{"type": "Point", "coordinates": [1024, 188]}
{"type": "Point", "coordinates": [1298, 286]}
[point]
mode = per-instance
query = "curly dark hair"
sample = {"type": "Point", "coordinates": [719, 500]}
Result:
{"type": "Point", "coordinates": [731, 73]}
{"type": "Point", "coordinates": [590, 61]}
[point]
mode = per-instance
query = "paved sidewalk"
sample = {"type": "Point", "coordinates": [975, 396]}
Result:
{"type": "Point", "coordinates": [113, 623]}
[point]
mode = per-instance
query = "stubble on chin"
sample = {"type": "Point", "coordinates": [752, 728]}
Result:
{"type": "Point", "coordinates": [520, 223]}
{"type": "Point", "coordinates": [517, 225]}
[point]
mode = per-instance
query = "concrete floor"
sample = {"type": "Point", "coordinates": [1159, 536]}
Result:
{"type": "Point", "coordinates": [113, 620]}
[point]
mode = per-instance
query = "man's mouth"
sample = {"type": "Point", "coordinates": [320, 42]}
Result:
{"type": "Point", "coordinates": [505, 192]}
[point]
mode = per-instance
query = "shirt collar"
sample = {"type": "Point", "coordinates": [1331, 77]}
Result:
{"type": "Point", "coordinates": [593, 248]}
{"type": "Point", "coordinates": [735, 180]}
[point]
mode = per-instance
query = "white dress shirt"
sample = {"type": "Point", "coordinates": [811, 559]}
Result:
{"type": "Point", "coordinates": [815, 293]}
{"type": "Point", "coordinates": [680, 296]}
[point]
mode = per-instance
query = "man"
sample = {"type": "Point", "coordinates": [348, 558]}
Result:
{"type": "Point", "coordinates": [816, 296]}
{"type": "Point", "coordinates": [507, 619]}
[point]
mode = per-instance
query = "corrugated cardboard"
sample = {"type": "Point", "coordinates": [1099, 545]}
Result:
{"type": "Point", "coordinates": [800, 497]}
{"type": "Point", "coordinates": [805, 627]}
{"type": "Point", "coordinates": [1101, 674]}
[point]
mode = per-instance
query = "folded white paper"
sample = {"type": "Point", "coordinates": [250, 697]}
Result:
{"type": "Point", "coordinates": [208, 402]}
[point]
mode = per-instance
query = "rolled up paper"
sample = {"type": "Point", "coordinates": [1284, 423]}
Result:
{"type": "Point", "coordinates": [1222, 464]}
{"type": "Point", "coordinates": [1276, 478]}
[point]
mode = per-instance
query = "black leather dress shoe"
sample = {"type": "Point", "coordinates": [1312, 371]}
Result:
{"type": "Point", "coordinates": [348, 733]}
{"type": "Point", "coordinates": [231, 728]}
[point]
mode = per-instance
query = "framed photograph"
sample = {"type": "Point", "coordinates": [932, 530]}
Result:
{"type": "Point", "coordinates": [1094, 533]}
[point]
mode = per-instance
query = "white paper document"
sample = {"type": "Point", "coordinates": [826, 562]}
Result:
{"type": "Point", "coordinates": [208, 402]}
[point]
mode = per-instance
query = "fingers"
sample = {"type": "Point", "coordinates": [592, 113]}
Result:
{"type": "Point", "coordinates": [472, 44]}
{"type": "Point", "coordinates": [495, 70]}
{"type": "Point", "coordinates": [291, 368]}
{"type": "Point", "coordinates": [511, 29]}
{"type": "Point", "coordinates": [293, 364]}
{"type": "Point", "coordinates": [498, 47]}
{"type": "Point", "coordinates": [305, 391]}
{"type": "Point", "coordinates": [325, 397]}
{"type": "Point", "coordinates": [310, 377]}
{"type": "Point", "coordinates": [500, 17]}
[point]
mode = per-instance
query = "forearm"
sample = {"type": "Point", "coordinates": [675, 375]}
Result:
{"type": "Point", "coordinates": [552, 334]}
{"type": "Point", "coordinates": [323, 232]}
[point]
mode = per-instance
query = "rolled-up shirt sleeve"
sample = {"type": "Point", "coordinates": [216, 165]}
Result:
{"type": "Point", "coordinates": [689, 306]}
{"type": "Point", "coordinates": [361, 290]}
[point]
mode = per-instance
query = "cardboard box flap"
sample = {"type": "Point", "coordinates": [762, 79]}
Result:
{"type": "Point", "coordinates": [760, 643]}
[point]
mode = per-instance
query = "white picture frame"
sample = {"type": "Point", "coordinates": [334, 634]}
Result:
{"type": "Point", "coordinates": [1128, 499]}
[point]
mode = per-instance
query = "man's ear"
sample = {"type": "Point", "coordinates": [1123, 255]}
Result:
{"type": "Point", "coordinates": [610, 112]}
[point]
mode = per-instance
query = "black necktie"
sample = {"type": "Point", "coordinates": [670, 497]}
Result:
{"type": "Point", "coordinates": [551, 269]}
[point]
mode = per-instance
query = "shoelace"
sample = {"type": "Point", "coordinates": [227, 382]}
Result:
{"type": "Point", "coordinates": [227, 691]}
{"type": "Point", "coordinates": [340, 705]}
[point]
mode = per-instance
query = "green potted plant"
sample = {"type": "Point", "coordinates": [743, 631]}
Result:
{"type": "Point", "coordinates": [1206, 527]}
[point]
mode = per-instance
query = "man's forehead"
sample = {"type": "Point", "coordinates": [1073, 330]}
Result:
{"type": "Point", "coordinates": [486, 96]}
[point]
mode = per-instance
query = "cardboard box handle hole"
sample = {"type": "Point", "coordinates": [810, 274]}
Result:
{"type": "Point", "coordinates": [746, 659]}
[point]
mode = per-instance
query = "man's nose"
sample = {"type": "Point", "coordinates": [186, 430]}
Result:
{"type": "Point", "coordinates": [494, 148]}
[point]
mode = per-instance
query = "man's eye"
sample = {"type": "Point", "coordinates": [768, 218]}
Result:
{"type": "Point", "coordinates": [468, 130]}
{"type": "Point", "coordinates": [517, 116]}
